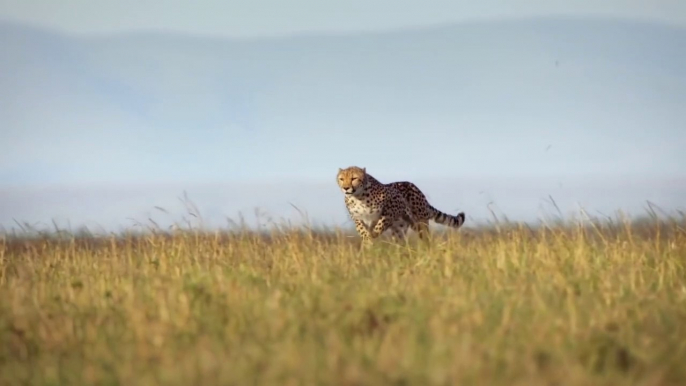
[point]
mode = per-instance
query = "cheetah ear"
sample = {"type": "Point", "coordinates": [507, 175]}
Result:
{"type": "Point", "coordinates": [340, 170]}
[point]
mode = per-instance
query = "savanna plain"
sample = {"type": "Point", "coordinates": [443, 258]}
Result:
{"type": "Point", "coordinates": [598, 302]}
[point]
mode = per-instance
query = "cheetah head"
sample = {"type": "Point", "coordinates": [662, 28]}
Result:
{"type": "Point", "coordinates": [351, 180]}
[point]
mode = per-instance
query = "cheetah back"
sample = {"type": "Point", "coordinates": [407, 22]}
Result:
{"type": "Point", "coordinates": [419, 205]}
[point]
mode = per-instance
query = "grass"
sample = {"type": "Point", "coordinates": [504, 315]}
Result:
{"type": "Point", "coordinates": [603, 303]}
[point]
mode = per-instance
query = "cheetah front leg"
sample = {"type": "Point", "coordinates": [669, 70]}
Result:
{"type": "Point", "coordinates": [362, 230]}
{"type": "Point", "coordinates": [381, 226]}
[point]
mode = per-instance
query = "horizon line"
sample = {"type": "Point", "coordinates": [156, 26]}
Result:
{"type": "Point", "coordinates": [334, 33]}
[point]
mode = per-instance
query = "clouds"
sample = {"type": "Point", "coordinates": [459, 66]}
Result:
{"type": "Point", "coordinates": [276, 17]}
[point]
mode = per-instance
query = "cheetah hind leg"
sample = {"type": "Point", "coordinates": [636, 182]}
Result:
{"type": "Point", "coordinates": [403, 224]}
{"type": "Point", "coordinates": [422, 229]}
{"type": "Point", "coordinates": [400, 228]}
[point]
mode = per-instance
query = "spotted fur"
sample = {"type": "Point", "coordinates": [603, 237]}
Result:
{"type": "Point", "coordinates": [373, 206]}
{"type": "Point", "coordinates": [422, 211]}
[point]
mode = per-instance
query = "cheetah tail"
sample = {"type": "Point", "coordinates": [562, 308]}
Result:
{"type": "Point", "coordinates": [446, 219]}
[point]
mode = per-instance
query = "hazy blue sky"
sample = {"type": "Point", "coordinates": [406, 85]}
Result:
{"type": "Point", "coordinates": [277, 17]}
{"type": "Point", "coordinates": [587, 109]}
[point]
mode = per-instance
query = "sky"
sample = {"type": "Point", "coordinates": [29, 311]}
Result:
{"type": "Point", "coordinates": [276, 17]}
{"type": "Point", "coordinates": [101, 130]}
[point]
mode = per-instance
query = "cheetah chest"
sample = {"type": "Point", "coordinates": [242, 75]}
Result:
{"type": "Point", "coordinates": [363, 211]}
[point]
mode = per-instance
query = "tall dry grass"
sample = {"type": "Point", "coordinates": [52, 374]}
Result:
{"type": "Point", "coordinates": [603, 303]}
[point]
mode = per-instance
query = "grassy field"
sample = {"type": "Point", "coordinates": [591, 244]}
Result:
{"type": "Point", "coordinates": [564, 305]}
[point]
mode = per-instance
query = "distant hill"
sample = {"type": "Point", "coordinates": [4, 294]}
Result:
{"type": "Point", "coordinates": [482, 98]}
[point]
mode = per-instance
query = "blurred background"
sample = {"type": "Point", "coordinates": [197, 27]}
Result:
{"type": "Point", "coordinates": [116, 112]}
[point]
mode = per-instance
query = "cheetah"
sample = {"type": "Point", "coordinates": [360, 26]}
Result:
{"type": "Point", "coordinates": [373, 206]}
{"type": "Point", "coordinates": [369, 200]}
